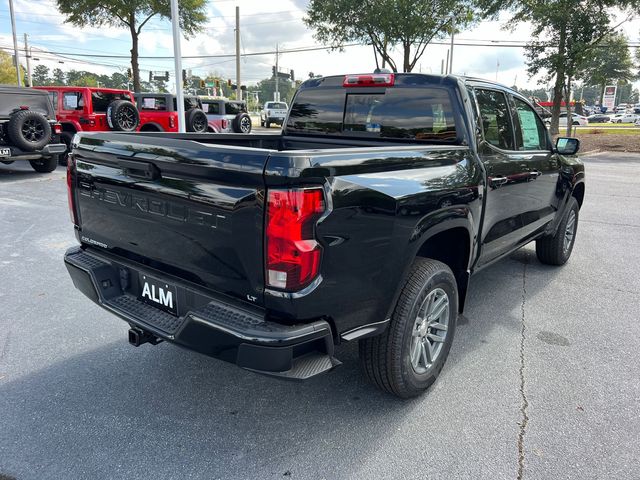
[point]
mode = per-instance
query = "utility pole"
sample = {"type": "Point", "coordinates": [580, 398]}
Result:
{"type": "Point", "coordinates": [446, 65]}
{"type": "Point", "coordinates": [451, 56]}
{"type": "Point", "coordinates": [442, 67]}
{"type": "Point", "coordinates": [15, 44]}
{"type": "Point", "coordinates": [277, 94]}
{"type": "Point", "coordinates": [177, 58]}
{"type": "Point", "coordinates": [238, 82]}
{"type": "Point", "coordinates": [28, 55]}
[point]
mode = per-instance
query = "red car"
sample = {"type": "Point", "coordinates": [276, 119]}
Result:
{"type": "Point", "coordinates": [89, 109]}
{"type": "Point", "coordinates": [159, 113]}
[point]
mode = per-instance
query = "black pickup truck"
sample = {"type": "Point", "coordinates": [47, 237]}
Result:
{"type": "Point", "coordinates": [362, 221]}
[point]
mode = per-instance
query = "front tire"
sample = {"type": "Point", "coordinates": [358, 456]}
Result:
{"type": "Point", "coordinates": [408, 357]}
{"type": "Point", "coordinates": [556, 249]}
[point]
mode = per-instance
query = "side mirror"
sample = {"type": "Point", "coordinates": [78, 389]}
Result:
{"type": "Point", "coordinates": [567, 146]}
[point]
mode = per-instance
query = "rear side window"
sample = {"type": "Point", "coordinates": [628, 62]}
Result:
{"type": "Point", "coordinates": [403, 113]}
{"type": "Point", "coordinates": [234, 108]}
{"type": "Point", "coordinates": [189, 103]}
{"type": "Point", "coordinates": [101, 100]}
{"type": "Point", "coordinates": [496, 123]}
{"type": "Point", "coordinates": [153, 104]}
{"type": "Point", "coordinates": [72, 101]}
{"type": "Point", "coordinates": [277, 105]}
{"type": "Point", "coordinates": [211, 108]}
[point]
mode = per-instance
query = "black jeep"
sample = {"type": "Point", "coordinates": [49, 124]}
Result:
{"type": "Point", "coordinates": [28, 128]}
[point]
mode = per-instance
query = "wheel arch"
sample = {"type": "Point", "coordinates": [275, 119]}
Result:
{"type": "Point", "coordinates": [452, 247]}
{"type": "Point", "coordinates": [70, 127]}
{"type": "Point", "coordinates": [151, 127]}
{"type": "Point", "coordinates": [578, 193]}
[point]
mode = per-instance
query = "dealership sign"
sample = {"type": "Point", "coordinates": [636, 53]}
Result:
{"type": "Point", "coordinates": [609, 97]}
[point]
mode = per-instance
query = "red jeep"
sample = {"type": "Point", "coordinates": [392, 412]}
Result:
{"type": "Point", "coordinates": [159, 113]}
{"type": "Point", "coordinates": [89, 109]}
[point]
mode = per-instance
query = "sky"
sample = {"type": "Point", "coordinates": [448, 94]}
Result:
{"type": "Point", "coordinates": [263, 25]}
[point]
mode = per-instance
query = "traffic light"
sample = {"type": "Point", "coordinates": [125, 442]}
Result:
{"type": "Point", "coordinates": [184, 75]}
{"type": "Point", "coordinates": [129, 74]}
{"type": "Point", "coordinates": [166, 76]}
{"type": "Point", "coordinates": [293, 79]}
{"type": "Point", "coordinates": [202, 84]}
{"type": "Point", "coordinates": [229, 82]}
{"type": "Point", "coordinates": [273, 71]}
{"type": "Point", "coordinates": [150, 77]}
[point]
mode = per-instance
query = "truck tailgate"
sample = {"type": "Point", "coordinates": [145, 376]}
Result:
{"type": "Point", "coordinates": [192, 210]}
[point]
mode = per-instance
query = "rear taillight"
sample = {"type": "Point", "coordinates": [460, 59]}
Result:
{"type": "Point", "coordinates": [72, 208]}
{"type": "Point", "coordinates": [172, 122]}
{"type": "Point", "coordinates": [225, 123]}
{"type": "Point", "coordinates": [57, 128]}
{"type": "Point", "coordinates": [293, 254]}
{"type": "Point", "coordinates": [369, 80]}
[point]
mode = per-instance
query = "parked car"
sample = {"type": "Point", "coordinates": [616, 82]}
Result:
{"type": "Point", "coordinates": [226, 115]}
{"type": "Point", "coordinates": [598, 118]}
{"type": "Point", "coordinates": [576, 120]}
{"type": "Point", "coordinates": [29, 129]}
{"type": "Point", "coordinates": [622, 108]}
{"type": "Point", "coordinates": [624, 118]}
{"type": "Point", "coordinates": [362, 221]}
{"type": "Point", "coordinates": [159, 113]}
{"type": "Point", "coordinates": [273, 112]}
{"type": "Point", "coordinates": [90, 109]}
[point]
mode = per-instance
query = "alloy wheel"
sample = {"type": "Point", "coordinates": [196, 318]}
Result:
{"type": "Point", "coordinates": [429, 330]}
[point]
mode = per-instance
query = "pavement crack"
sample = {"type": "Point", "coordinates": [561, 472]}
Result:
{"type": "Point", "coordinates": [524, 405]}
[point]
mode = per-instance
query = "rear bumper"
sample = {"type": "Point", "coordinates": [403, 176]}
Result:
{"type": "Point", "coordinates": [46, 152]}
{"type": "Point", "coordinates": [217, 327]}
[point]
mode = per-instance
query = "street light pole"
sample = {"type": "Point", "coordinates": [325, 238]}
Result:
{"type": "Point", "coordinates": [238, 82]}
{"type": "Point", "coordinates": [27, 53]}
{"type": "Point", "coordinates": [15, 43]}
{"type": "Point", "coordinates": [177, 57]}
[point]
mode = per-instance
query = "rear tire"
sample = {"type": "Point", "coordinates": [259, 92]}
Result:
{"type": "Point", "coordinates": [267, 124]}
{"type": "Point", "coordinates": [556, 249]}
{"type": "Point", "coordinates": [45, 165]}
{"type": "Point", "coordinates": [242, 123]}
{"type": "Point", "coordinates": [66, 138]}
{"type": "Point", "coordinates": [408, 357]}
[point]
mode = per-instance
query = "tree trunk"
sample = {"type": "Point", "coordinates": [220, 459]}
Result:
{"type": "Point", "coordinates": [567, 96]}
{"type": "Point", "coordinates": [135, 68]}
{"type": "Point", "coordinates": [557, 88]}
{"type": "Point", "coordinates": [406, 46]}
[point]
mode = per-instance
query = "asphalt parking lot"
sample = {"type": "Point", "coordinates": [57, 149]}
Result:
{"type": "Point", "coordinates": [542, 381]}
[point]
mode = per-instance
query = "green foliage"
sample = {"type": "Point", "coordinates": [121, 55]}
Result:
{"type": "Point", "coordinates": [8, 70]}
{"type": "Point", "coordinates": [267, 87]}
{"type": "Point", "coordinates": [608, 63]}
{"type": "Point", "coordinates": [570, 32]}
{"type": "Point", "coordinates": [386, 24]}
{"type": "Point", "coordinates": [132, 15]}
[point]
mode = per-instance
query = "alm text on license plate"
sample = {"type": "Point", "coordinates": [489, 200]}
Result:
{"type": "Point", "coordinates": [158, 293]}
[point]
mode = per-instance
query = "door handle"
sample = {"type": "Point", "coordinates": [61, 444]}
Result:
{"type": "Point", "coordinates": [497, 181]}
{"type": "Point", "coordinates": [139, 169]}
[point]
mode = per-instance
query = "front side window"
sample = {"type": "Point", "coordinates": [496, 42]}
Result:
{"type": "Point", "coordinates": [532, 134]}
{"type": "Point", "coordinates": [496, 123]}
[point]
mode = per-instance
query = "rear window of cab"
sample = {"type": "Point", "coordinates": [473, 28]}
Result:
{"type": "Point", "coordinates": [402, 113]}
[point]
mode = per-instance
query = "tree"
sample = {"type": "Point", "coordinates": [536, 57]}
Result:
{"type": "Point", "coordinates": [8, 69]}
{"type": "Point", "coordinates": [132, 15]}
{"type": "Point", "coordinates": [267, 87]}
{"type": "Point", "coordinates": [387, 24]}
{"type": "Point", "coordinates": [609, 63]}
{"type": "Point", "coordinates": [40, 75]}
{"type": "Point", "coordinates": [572, 30]}
{"type": "Point", "coordinates": [59, 77]}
